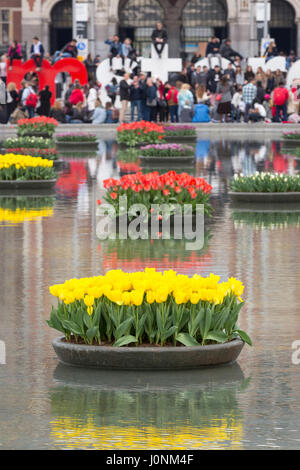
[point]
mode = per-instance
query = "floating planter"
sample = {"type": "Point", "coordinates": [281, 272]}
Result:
{"type": "Point", "coordinates": [26, 172]}
{"type": "Point", "coordinates": [265, 188]}
{"type": "Point", "coordinates": [80, 140]}
{"type": "Point", "coordinates": [35, 147]}
{"type": "Point", "coordinates": [175, 133]}
{"type": "Point", "coordinates": [291, 139]}
{"type": "Point", "coordinates": [138, 133]}
{"type": "Point", "coordinates": [148, 320]}
{"type": "Point", "coordinates": [153, 188]}
{"type": "Point", "coordinates": [170, 155]}
{"type": "Point", "coordinates": [37, 127]}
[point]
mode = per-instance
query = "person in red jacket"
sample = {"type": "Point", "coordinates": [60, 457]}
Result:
{"type": "Point", "coordinates": [77, 95]}
{"type": "Point", "coordinates": [172, 99]}
{"type": "Point", "coordinates": [280, 99]}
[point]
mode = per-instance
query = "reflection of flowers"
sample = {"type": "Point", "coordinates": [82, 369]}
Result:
{"type": "Point", "coordinates": [70, 180]}
{"type": "Point", "coordinates": [76, 137]}
{"type": "Point", "coordinates": [207, 417]}
{"type": "Point", "coordinates": [270, 220]}
{"type": "Point", "coordinates": [18, 209]}
{"type": "Point", "coordinates": [20, 215]}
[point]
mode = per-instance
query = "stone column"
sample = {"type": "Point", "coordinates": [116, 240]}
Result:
{"type": "Point", "coordinates": [174, 36]}
{"type": "Point", "coordinates": [239, 33]}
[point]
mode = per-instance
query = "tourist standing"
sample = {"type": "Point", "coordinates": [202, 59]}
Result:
{"type": "Point", "coordinates": [37, 52]}
{"type": "Point", "coordinates": [185, 101]}
{"type": "Point", "coordinates": [45, 98]}
{"type": "Point", "coordinates": [224, 91]}
{"type": "Point", "coordinates": [124, 96]}
{"type": "Point", "coordinates": [3, 68]}
{"type": "Point", "coordinates": [249, 94]}
{"type": "Point", "coordinates": [159, 38]}
{"type": "Point", "coordinates": [136, 98]}
{"type": "Point", "coordinates": [280, 99]}
{"type": "Point", "coordinates": [151, 100]}
{"type": "Point", "coordinates": [172, 99]}
{"type": "Point", "coordinates": [214, 76]}
{"type": "Point", "coordinates": [3, 103]}
{"type": "Point", "coordinates": [29, 100]}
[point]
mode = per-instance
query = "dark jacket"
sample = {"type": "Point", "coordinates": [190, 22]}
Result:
{"type": "Point", "coordinates": [41, 49]}
{"type": "Point", "coordinates": [58, 114]}
{"type": "Point", "coordinates": [70, 49]}
{"type": "Point", "coordinates": [135, 93]}
{"type": "Point", "coordinates": [213, 80]}
{"type": "Point", "coordinates": [124, 90]}
{"type": "Point", "coordinates": [212, 48]}
{"type": "Point", "coordinates": [159, 34]}
{"type": "Point", "coordinates": [151, 92]}
{"type": "Point", "coordinates": [227, 52]}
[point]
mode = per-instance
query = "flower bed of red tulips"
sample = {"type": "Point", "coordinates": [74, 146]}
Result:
{"type": "Point", "coordinates": [37, 125]}
{"type": "Point", "coordinates": [141, 132]}
{"type": "Point", "coordinates": [151, 188]}
{"type": "Point", "coordinates": [50, 154]}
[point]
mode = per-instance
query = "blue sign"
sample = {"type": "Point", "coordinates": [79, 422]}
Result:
{"type": "Point", "coordinates": [81, 46]}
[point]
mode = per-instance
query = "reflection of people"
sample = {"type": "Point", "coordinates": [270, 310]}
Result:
{"type": "Point", "coordinates": [159, 38]}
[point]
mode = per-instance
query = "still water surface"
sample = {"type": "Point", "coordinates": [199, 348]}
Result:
{"type": "Point", "coordinates": [253, 404]}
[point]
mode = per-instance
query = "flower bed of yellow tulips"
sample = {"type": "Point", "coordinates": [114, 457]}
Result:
{"type": "Point", "coordinates": [148, 307]}
{"type": "Point", "coordinates": [24, 167]}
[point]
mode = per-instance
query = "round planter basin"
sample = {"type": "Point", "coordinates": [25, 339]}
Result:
{"type": "Point", "coordinates": [167, 161]}
{"type": "Point", "coordinates": [182, 138]}
{"type": "Point", "coordinates": [146, 358]}
{"type": "Point", "coordinates": [27, 185]}
{"type": "Point", "coordinates": [45, 135]}
{"type": "Point", "coordinates": [265, 197]}
{"type": "Point", "coordinates": [76, 145]}
{"type": "Point", "coordinates": [291, 142]}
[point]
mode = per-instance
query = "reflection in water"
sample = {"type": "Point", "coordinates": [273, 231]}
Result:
{"type": "Point", "coordinates": [18, 209]}
{"type": "Point", "coordinates": [187, 410]}
{"type": "Point", "coordinates": [40, 408]}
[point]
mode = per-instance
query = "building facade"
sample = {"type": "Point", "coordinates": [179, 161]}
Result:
{"type": "Point", "coordinates": [187, 22]}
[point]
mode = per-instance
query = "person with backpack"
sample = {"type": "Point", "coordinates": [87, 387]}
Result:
{"type": "Point", "coordinates": [29, 100]}
{"type": "Point", "coordinates": [280, 99]}
{"type": "Point", "coordinates": [172, 99]}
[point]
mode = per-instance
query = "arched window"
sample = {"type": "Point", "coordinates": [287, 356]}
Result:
{"type": "Point", "coordinates": [137, 19]}
{"type": "Point", "coordinates": [202, 19]}
{"type": "Point", "coordinates": [282, 25]}
{"type": "Point", "coordinates": [61, 24]}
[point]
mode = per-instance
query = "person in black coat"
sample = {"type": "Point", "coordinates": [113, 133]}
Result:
{"type": "Point", "coordinates": [151, 103]}
{"type": "Point", "coordinates": [37, 52]}
{"type": "Point", "coordinates": [229, 53]}
{"type": "Point", "coordinates": [45, 97]}
{"type": "Point", "coordinates": [214, 77]}
{"type": "Point", "coordinates": [159, 38]}
{"type": "Point", "coordinates": [124, 96]}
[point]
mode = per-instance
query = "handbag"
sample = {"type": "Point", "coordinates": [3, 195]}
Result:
{"type": "Point", "coordinates": [151, 103]}
{"type": "Point", "coordinates": [162, 103]}
{"type": "Point", "coordinates": [219, 97]}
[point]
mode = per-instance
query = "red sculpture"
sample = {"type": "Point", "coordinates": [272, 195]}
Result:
{"type": "Point", "coordinates": [47, 73]}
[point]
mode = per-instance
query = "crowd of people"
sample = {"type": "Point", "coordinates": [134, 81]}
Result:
{"type": "Point", "coordinates": [198, 93]}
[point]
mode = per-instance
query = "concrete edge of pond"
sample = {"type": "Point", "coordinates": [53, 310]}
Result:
{"type": "Point", "coordinates": [27, 184]}
{"type": "Point", "coordinates": [265, 198]}
{"type": "Point", "coordinates": [147, 358]}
